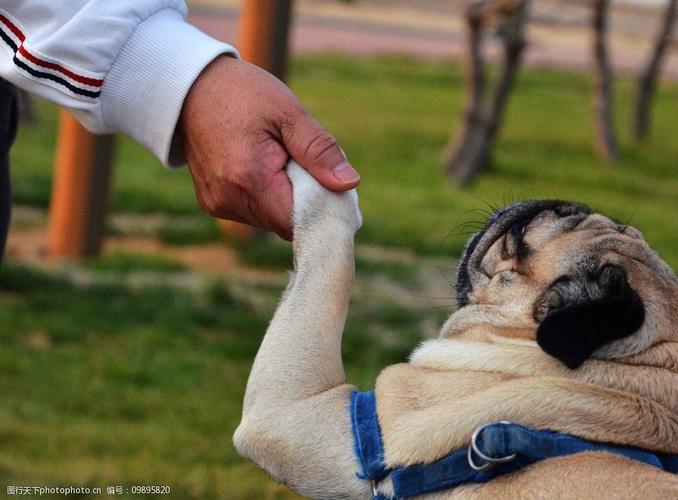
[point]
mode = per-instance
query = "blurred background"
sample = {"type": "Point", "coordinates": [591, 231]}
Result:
{"type": "Point", "coordinates": [124, 361]}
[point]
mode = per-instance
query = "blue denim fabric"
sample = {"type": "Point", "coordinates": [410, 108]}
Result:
{"type": "Point", "coordinates": [367, 442]}
{"type": "Point", "coordinates": [499, 439]}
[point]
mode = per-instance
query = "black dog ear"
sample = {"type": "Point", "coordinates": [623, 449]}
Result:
{"type": "Point", "coordinates": [608, 310]}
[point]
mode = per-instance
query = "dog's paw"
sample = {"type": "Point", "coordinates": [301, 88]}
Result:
{"type": "Point", "coordinates": [313, 204]}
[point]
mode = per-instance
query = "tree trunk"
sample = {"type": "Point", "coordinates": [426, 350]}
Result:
{"type": "Point", "coordinates": [648, 79]}
{"type": "Point", "coordinates": [460, 161]}
{"type": "Point", "coordinates": [605, 136]}
{"type": "Point", "coordinates": [514, 44]}
{"type": "Point", "coordinates": [482, 119]}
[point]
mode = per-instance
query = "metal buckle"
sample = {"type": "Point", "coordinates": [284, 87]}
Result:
{"type": "Point", "coordinates": [489, 461]}
{"type": "Point", "coordinates": [375, 487]}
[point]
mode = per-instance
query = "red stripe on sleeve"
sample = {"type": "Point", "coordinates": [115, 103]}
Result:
{"type": "Point", "coordinates": [45, 64]}
{"type": "Point", "coordinates": [12, 27]}
{"type": "Point", "coordinates": [94, 82]}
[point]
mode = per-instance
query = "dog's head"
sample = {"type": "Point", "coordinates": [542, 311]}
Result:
{"type": "Point", "coordinates": [589, 285]}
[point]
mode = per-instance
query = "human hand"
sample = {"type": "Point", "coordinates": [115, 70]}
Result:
{"type": "Point", "coordinates": [239, 126]}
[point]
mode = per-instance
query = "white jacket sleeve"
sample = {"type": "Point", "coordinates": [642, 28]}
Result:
{"type": "Point", "coordinates": [119, 66]}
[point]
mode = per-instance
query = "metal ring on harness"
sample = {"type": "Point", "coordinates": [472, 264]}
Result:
{"type": "Point", "coordinates": [375, 488]}
{"type": "Point", "coordinates": [489, 461]}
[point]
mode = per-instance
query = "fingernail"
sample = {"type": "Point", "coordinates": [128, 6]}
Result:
{"type": "Point", "coordinates": [345, 173]}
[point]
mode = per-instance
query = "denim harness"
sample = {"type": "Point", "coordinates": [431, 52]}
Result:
{"type": "Point", "coordinates": [495, 449]}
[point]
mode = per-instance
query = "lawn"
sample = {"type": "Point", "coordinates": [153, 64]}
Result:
{"type": "Point", "coordinates": [130, 369]}
{"type": "Point", "coordinates": [394, 116]}
{"type": "Point", "coordinates": [116, 383]}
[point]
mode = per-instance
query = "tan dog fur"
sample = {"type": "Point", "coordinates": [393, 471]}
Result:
{"type": "Point", "coordinates": [485, 366]}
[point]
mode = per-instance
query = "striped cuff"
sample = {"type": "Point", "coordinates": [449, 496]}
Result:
{"type": "Point", "coordinates": [144, 90]}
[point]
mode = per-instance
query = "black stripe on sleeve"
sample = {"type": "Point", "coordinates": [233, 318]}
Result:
{"type": "Point", "coordinates": [42, 74]}
{"type": "Point", "coordinates": [8, 40]}
{"type": "Point", "coordinates": [59, 80]}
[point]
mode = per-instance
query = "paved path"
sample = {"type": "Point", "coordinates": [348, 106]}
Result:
{"type": "Point", "coordinates": [368, 28]}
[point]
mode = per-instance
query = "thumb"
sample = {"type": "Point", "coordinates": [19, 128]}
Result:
{"type": "Point", "coordinates": [318, 152]}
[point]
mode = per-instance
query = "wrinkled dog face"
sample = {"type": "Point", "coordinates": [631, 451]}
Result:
{"type": "Point", "coordinates": [589, 284]}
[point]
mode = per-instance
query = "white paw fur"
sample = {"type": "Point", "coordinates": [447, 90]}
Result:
{"type": "Point", "coordinates": [313, 204]}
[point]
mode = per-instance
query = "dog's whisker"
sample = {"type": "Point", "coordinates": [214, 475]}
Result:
{"type": "Point", "coordinates": [447, 280]}
{"type": "Point", "coordinates": [431, 297]}
{"type": "Point", "coordinates": [481, 211]}
{"type": "Point", "coordinates": [477, 225]}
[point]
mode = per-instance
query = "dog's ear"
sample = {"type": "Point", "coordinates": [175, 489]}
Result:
{"type": "Point", "coordinates": [590, 315]}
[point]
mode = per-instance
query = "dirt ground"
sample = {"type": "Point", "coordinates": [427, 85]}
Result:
{"type": "Point", "coordinates": [427, 287]}
{"type": "Point", "coordinates": [27, 243]}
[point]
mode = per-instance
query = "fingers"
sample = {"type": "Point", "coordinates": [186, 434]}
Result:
{"type": "Point", "coordinates": [276, 205]}
{"type": "Point", "coordinates": [318, 152]}
{"type": "Point", "coordinates": [239, 127]}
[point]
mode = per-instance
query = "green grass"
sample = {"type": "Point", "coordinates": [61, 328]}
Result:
{"type": "Point", "coordinates": [394, 116]}
{"type": "Point", "coordinates": [123, 263]}
{"type": "Point", "coordinates": [202, 230]}
{"type": "Point", "coordinates": [114, 385]}
{"type": "Point", "coordinates": [119, 384]}
{"type": "Point", "coordinates": [269, 251]}
{"type": "Point", "coordinates": [109, 379]}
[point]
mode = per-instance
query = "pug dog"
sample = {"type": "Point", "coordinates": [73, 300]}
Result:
{"type": "Point", "coordinates": [565, 332]}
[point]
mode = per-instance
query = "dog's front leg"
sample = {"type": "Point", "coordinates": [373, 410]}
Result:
{"type": "Point", "coordinates": [295, 415]}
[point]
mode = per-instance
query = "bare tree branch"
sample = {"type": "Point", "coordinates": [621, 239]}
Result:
{"type": "Point", "coordinates": [482, 120]}
{"type": "Point", "coordinates": [648, 79]}
{"type": "Point", "coordinates": [605, 136]}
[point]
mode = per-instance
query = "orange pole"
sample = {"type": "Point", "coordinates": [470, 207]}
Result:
{"type": "Point", "coordinates": [79, 193]}
{"type": "Point", "coordinates": [263, 32]}
{"type": "Point", "coordinates": [263, 29]}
